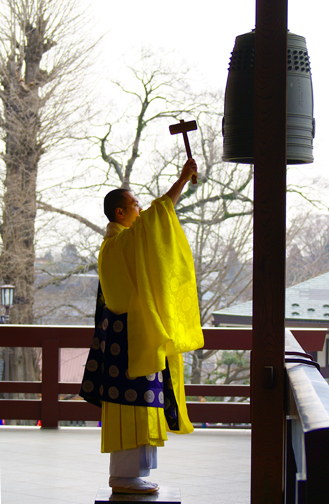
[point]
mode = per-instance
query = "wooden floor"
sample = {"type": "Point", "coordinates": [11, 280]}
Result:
{"type": "Point", "coordinates": [65, 466]}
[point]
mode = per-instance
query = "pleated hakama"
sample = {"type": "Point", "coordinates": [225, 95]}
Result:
{"type": "Point", "coordinates": [126, 427]}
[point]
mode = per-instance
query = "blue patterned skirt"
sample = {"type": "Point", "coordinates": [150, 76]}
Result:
{"type": "Point", "coordinates": [106, 375]}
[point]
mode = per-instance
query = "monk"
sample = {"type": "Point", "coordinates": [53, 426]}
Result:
{"type": "Point", "coordinates": [147, 315]}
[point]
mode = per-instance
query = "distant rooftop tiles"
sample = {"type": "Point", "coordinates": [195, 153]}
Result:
{"type": "Point", "coordinates": [308, 300]}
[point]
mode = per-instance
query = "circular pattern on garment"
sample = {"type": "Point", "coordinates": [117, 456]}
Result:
{"type": "Point", "coordinates": [113, 371]}
{"type": "Point", "coordinates": [101, 390]}
{"type": "Point", "coordinates": [130, 395]}
{"type": "Point", "coordinates": [102, 367]}
{"type": "Point", "coordinates": [95, 344]}
{"type": "Point", "coordinates": [128, 377]}
{"type": "Point", "coordinates": [113, 393]}
{"type": "Point", "coordinates": [174, 284]}
{"type": "Point", "coordinates": [181, 330]}
{"type": "Point", "coordinates": [87, 386]}
{"type": "Point", "coordinates": [160, 376]}
{"type": "Point", "coordinates": [186, 304]}
{"type": "Point", "coordinates": [167, 403]}
{"type": "Point", "coordinates": [161, 397]}
{"type": "Point", "coordinates": [92, 365]}
{"type": "Point", "coordinates": [151, 377]}
{"type": "Point", "coordinates": [115, 349]}
{"type": "Point", "coordinates": [149, 396]}
{"type": "Point", "coordinates": [117, 326]}
{"type": "Point", "coordinates": [105, 324]}
{"type": "Point", "coordinates": [103, 346]}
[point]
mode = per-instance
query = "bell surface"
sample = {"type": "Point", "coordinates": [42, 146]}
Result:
{"type": "Point", "coordinates": [238, 120]}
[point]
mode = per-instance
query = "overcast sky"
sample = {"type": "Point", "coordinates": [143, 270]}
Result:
{"type": "Point", "coordinates": [203, 33]}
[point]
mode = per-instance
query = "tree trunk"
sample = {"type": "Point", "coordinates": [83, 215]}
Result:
{"type": "Point", "coordinates": [197, 366]}
{"type": "Point", "coordinates": [23, 149]}
{"type": "Point", "coordinates": [21, 106]}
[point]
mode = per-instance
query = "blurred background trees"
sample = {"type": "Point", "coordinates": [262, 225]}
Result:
{"type": "Point", "coordinates": [139, 154]}
{"type": "Point", "coordinates": [64, 149]}
{"type": "Point", "coordinates": [42, 61]}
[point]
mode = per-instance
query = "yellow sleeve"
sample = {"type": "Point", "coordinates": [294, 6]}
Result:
{"type": "Point", "coordinates": [152, 264]}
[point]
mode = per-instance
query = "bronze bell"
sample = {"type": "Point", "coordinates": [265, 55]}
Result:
{"type": "Point", "coordinates": [238, 120]}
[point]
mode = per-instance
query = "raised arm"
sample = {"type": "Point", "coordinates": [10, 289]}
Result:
{"type": "Point", "coordinates": [189, 169]}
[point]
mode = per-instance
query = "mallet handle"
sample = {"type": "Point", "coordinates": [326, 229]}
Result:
{"type": "Point", "coordinates": [188, 152]}
{"type": "Point", "coordinates": [187, 145]}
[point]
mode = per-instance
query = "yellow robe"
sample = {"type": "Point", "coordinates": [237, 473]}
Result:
{"type": "Point", "coordinates": [147, 271]}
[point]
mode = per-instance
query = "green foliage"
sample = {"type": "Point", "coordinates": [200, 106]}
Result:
{"type": "Point", "coordinates": [236, 357]}
{"type": "Point", "coordinates": [223, 366]}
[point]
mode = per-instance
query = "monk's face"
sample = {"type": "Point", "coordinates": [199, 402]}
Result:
{"type": "Point", "coordinates": [130, 210]}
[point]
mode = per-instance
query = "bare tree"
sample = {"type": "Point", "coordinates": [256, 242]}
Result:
{"type": "Point", "coordinates": [39, 58]}
{"type": "Point", "coordinates": [141, 155]}
{"type": "Point", "coordinates": [155, 93]}
{"type": "Point", "coordinates": [216, 214]}
{"type": "Point", "coordinates": [308, 247]}
{"type": "Point", "coordinates": [42, 60]}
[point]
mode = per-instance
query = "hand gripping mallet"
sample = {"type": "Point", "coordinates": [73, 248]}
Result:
{"type": "Point", "coordinates": [184, 127]}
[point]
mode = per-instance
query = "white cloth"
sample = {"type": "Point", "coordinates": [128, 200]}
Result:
{"type": "Point", "coordinates": [133, 463]}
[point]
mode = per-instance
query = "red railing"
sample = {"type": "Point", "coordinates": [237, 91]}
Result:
{"type": "Point", "coordinates": [50, 409]}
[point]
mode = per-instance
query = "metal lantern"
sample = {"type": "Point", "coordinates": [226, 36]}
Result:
{"type": "Point", "coordinates": [238, 120]}
{"type": "Point", "coordinates": [7, 295]}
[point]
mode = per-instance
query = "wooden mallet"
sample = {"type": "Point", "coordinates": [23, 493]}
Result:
{"type": "Point", "coordinates": [184, 127]}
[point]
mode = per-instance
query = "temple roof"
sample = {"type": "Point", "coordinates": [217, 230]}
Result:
{"type": "Point", "coordinates": [305, 302]}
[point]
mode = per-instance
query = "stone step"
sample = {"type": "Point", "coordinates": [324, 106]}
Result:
{"type": "Point", "coordinates": [165, 495]}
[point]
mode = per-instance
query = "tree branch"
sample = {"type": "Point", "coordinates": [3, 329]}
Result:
{"type": "Point", "coordinates": [58, 279]}
{"type": "Point", "coordinates": [49, 208]}
{"type": "Point", "coordinates": [109, 159]}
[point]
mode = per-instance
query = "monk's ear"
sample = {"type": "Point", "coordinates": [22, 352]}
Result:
{"type": "Point", "coordinates": [119, 213]}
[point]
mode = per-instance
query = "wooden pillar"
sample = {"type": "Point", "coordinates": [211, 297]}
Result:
{"type": "Point", "coordinates": [267, 397]}
{"type": "Point", "coordinates": [50, 386]}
